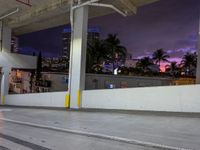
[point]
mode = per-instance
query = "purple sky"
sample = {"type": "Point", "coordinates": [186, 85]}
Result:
{"type": "Point", "coordinates": [168, 24]}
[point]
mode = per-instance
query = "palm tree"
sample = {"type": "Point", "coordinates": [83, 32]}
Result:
{"type": "Point", "coordinates": [96, 51]}
{"type": "Point", "coordinates": [160, 55]}
{"type": "Point", "coordinates": [172, 68]}
{"type": "Point", "coordinates": [144, 63]}
{"type": "Point", "coordinates": [116, 52]}
{"type": "Point", "coordinates": [189, 61]}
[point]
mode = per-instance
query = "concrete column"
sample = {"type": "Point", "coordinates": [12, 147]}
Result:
{"type": "Point", "coordinates": [5, 38]}
{"type": "Point", "coordinates": [78, 56]}
{"type": "Point", "coordinates": [4, 83]}
{"type": "Point", "coordinates": [5, 46]}
{"type": "Point", "coordinates": [1, 34]}
{"type": "Point", "coordinates": [198, 58]}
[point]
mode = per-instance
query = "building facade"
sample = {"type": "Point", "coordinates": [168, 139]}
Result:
{"type": "Point", "coordinates": [93, 33]}
{"type": "Point", "coordinates": [14, 44]}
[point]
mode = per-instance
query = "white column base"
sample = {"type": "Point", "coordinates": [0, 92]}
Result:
{"type": "Point", "coordinates": [4, 84]}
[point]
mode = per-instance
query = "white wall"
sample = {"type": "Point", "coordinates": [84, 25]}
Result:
{"type": "Point", "coordinates": [172, 98]}
{"type": "Point", "coordinates": [56, 99]}
{"type": "Point", "coordinates": [17, 61]}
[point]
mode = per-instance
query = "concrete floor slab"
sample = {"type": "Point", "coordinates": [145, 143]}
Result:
{"type": "Point", "coordinates": [176, 131]}
{"type": "Point", "coordinates": [52, 140]}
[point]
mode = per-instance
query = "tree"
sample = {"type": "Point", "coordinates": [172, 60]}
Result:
{"type": "Point", "coordinates": [32, 80]}
{"type": "Point", "coordinates": [123, 70]}
{"type": "Point", "coordinates": [109, 50]}
{"type": "Point", "coordinates": [96, 51]}
{"type": "Point", "coordinates": [189, 61]}
{"type": "Point", "coordinates": [160, 55]}
{"type": "Point", "coordinates": [39, 66]}
{"type": "Point", "coordinates": [115, 51]}
{"type": "Point", "coordinates": [172, 68]}
{"type": "Point", "coordinates": [144, 63]}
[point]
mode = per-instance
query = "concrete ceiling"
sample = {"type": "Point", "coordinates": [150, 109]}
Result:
{"type": "Point", "coordinates": [51, 13]}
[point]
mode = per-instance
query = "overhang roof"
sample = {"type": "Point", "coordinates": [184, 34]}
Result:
{"type": "Point", "coordinates": [51, 13]}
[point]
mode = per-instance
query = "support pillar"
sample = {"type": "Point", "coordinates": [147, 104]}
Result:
{"type": "Point", "coordinates": [1, 35]}
{"type": "Point", "coordinates": [78, 56]}
{"type": "Point", "coordinates": [198, 58]}
{"type": "Point", "coordinates": [5, 38]}
{"type": "Point", "coordinates": [4, 84]}
{"type": "Point", "coordinates": [5, 46]}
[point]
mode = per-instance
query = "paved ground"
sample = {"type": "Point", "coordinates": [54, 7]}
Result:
{"type": "Point", "coordinates": [38, 129]}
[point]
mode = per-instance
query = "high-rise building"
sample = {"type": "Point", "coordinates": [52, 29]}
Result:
{"type": "Point", "coordinates": [14, 44]}
{"type": "Point", "coordinates": [93, 33]}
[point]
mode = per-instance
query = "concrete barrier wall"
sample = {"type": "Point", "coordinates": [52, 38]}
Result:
{"type": "Point", "coordinates": [172, 98]}
{"type": "Point", "coordinates": [17, 61]}
{"type": "Point", "coordinates": [56, 99]}
{"type": "Point", "coordinates": [101, 81]}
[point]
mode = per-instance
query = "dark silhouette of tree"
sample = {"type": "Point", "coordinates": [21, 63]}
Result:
{"type": "Point", "coordinates": [39, 66]}
{"type": "Point", "coordinates": [189, 61]}
{"type": "Point", "coordinates": [159, 56]}
{"type": "Point", "coordinates": [96, 52]}
{"type": "Point", "coordinates": [123, 71]}
{"type": "Point", "coordinates": [173, 69]}
{"type": "Point", "coordinates": [144, 63]}
{"type": "Point", "coordinates": [109, 50]}
{"type": "Point", "coordinates": [115, 51]}
{"type": "Point", "coordinates": [32, 80]}
{"type": "Point", "coordinates": [97, 69]}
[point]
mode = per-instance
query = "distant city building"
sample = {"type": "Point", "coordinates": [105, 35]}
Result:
{"type": "Point", "coordinates": [130, 63]}
{"type": "Point", "coordinates": [93, 33]}
{"type": "Point", "coordinates": [129, 56]}
{"type": "Point", "coordinates": [154, 68]}
{"type": "Point", "coordinates": [14, 44]}
{"type": "Point", "coordinates": [61, 64]}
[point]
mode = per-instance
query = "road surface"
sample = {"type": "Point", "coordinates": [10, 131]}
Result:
{"type": "Point", "coordinates": [38, 129]}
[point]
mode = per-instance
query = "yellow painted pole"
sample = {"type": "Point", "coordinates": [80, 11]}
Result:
{"type": "Point", "coordinates": [3, 100]}
{"type": "Point", "coordinates": [79, 98]}
{"type": "Point", "coordinates": [67, 100]}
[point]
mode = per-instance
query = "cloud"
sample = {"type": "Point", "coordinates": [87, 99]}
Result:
{"type": "Point", "coordinates": [171, 24]}
{"type": "Point", "coordinates": [186, 50]}
{"type": "Point", "coordinates": [175, 59]}
{"type": "Point", "coordinates": [169, 51]}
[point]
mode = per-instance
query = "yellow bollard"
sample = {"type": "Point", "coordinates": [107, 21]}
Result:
{"type": "Point", "coordinates": [3, 100]}
{"type": "Point", "coordinates": [67, 100]}
{"type": "Point", "coordinates": [79, 98]}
